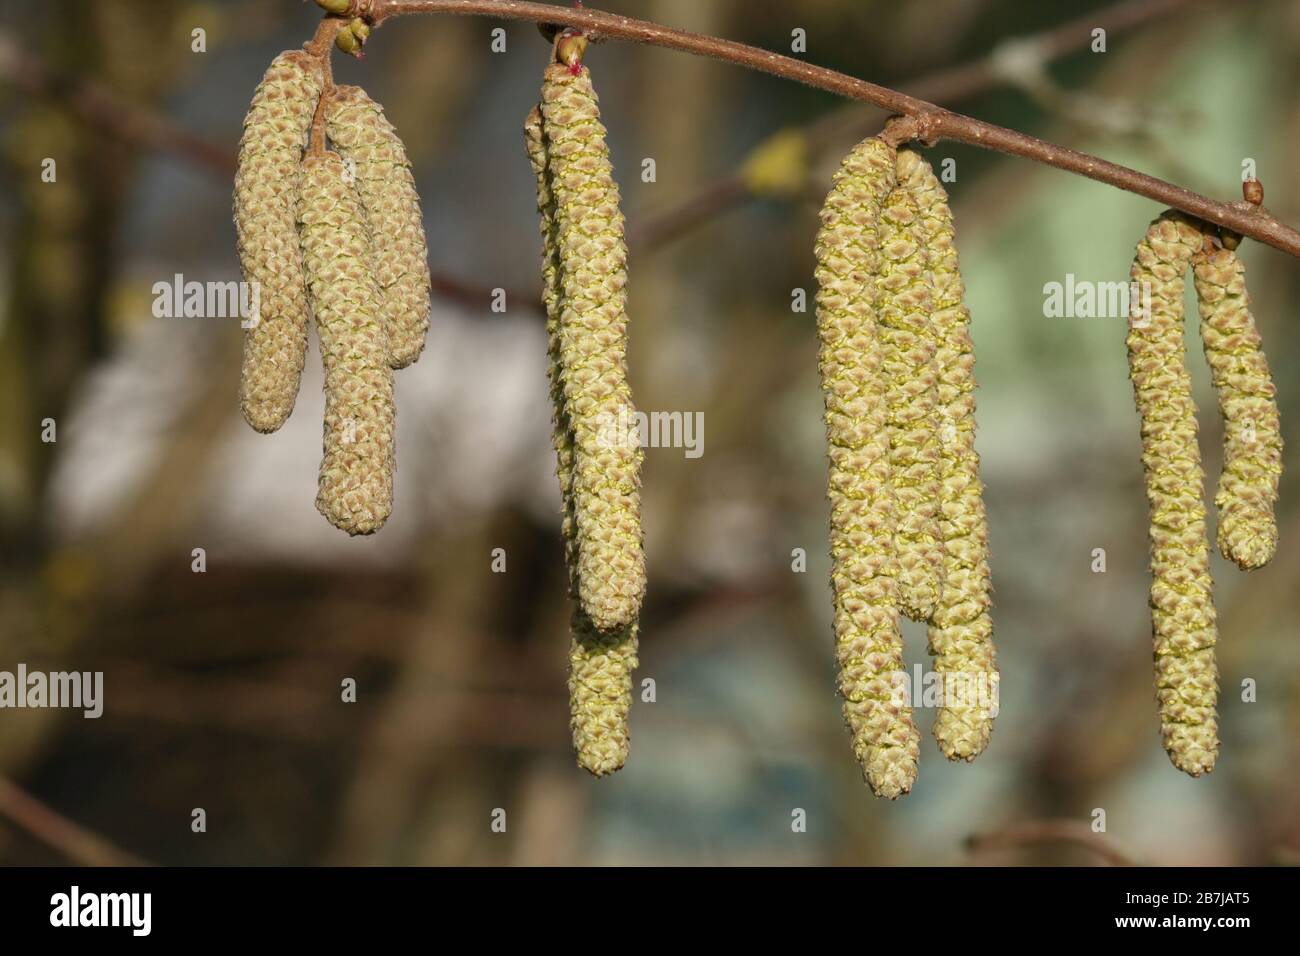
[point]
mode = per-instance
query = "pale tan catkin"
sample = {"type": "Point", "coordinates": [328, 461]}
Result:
{"type": "Point", "coordinates": [600, 665]}
{"type": "Point", "coordinates": [266, 196]}
{"type": "Point", "coordinates": [961, 630]}
{"type": "Point", "coordinates": [363, 136]}
{"type": "Point", "coordinates": [1252, 440]}
{"type": "Point", "coordinates": [864, 567]}
{"type": "Point", "coordinates": [1182, 605]}
{"type": "Point", "coordinates": [592, 255]}
{"type": "Point", "coordinates": [356, 475]}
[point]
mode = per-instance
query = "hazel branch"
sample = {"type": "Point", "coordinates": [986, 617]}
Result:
{"type": "Point", "coordinates": [937, 123]}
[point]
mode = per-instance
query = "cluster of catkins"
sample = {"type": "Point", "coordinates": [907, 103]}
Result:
{"type": "Point", "coordinates": [908, 533]}
{"type": "Point", "coordinates": [1182, 604]}
{"type": "Point", "coordinates": [336, 234]}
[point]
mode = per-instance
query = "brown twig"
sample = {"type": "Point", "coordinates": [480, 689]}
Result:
{"type": "Point", "coordinates": [1240, 217]}
{"type": "Point", "coordinates": [53, 829]}
{"type": "Point", "coordinates": [853, 121]}
{"type": "Point", "coordinates": [319, 47]}
{"type": "Point", "coordinates": [1035, 832]}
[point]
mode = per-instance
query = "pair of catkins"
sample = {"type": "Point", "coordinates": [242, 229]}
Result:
{"type": "Point", "coordinates": [908, 532]}
{"type": "Point", "coordinates": [1182, 604]}
{"type": "Point", "coordinates": [338, 235]}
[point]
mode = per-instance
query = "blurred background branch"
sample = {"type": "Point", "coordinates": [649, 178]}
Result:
{"type": "Point", "coordinates": [74, 841]}
{"type": "Point", "coordinates": [1036, 833]}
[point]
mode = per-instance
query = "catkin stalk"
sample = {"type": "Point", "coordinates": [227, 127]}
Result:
{"type": "Point", "coordinates": [1182, 605]}
{"type": "Point", "coordinates": [363, 136]}
{"type": "Point", "coordinates": [600, 666]}
{"type": "Point", "coordinates": [1252, 440]}
{"type": "Point", "coordinates": [908, 345]}
{"type": "Point", "coordinates": [356, 475]}
{"type": "Point", "coordinates": [868, 645]}
{"type": "Point", "coordinates": [961, 631]}
{"type": "Point", "coordinates": [593, 351]}
{"type": "Point", "coordinates": [266, 196]}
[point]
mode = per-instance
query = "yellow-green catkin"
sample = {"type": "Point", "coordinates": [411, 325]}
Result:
{"type": "Point", "coordinates": [908, 345]}
{"type": "Point", "coordinates": [266, 196]}
{"type": "Point", "coordinates": [356, 475]}
{"type": "Point", "coordinates": [592, 256]}
{"type": "Point", "coordinates": [961, 630]}
{"type": "Point", "coordinates": [363, 136]}
{"type": "Point", "coordinates": [600, 665]}
{"type": "Point", "coordinates": [1182, 605]}
{"type": "Point", "coordinates": [1252, 441]}
{"type": "Point", "coordinates": [868, 646]}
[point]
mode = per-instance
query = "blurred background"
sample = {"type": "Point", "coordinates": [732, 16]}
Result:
{"type": "Point", "coordinates": [223, 688]}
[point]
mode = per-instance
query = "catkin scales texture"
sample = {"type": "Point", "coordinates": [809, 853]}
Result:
{"type": "Point", "coordinates": [1252, 441]}
{"type": "Point", "coordinates": [961, 630]}
{"type": "Point", "coordinates": [600, 693]}
{"type": "Point", "coordinates": [600, 665]}
{"type": "Point", "coordinates": [266, 194]}
{"type": "Point", "coordinates": [1182, 606]}
{"type": "Point", "coordinates": [592, 260]}
{"type": "Point", "coordinates": [356, 476]}
{"type": "Point", "coordinates": [868, 645]}
{"type": "Point", "coordinates": [363, 136]}
{"type": "Point", "coordinates": [907, 348]}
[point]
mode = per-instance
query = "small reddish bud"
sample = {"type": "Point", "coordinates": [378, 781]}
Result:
{"type": "Point", "coordinates": [570, 50]}
{"type": "Point", "coordinates": [1252, 190]}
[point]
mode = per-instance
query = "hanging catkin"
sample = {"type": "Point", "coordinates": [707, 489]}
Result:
{"type": "Point", "coordinates": [1252, 442]}
{"type": "Point", "coordinates": [364, 137]}
{"type": "Point", "coordinates": [868, 646]}
{"type": "Point", "coordinates": [600, 666]}
{"type": "Point", "coordinates": [961, 631]}
{"type": "Point", "coordinates": [356, 475]}
{"type": "Point", "coordinates": [266, 195]}
{"type": "Point", "coordinates": [592, 258]}
{"type": "Point", "coordinates": [907, 348]}
{"type": "Point", "coordinates": [1182, 604]}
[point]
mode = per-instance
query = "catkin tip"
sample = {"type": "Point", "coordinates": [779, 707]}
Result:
{"type": "Point", "coordinates": [600, 695]}
{"type": "Point", "coordinates": [1193, 750]}
{"type": "Point", "coordinates": [962, 736]}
